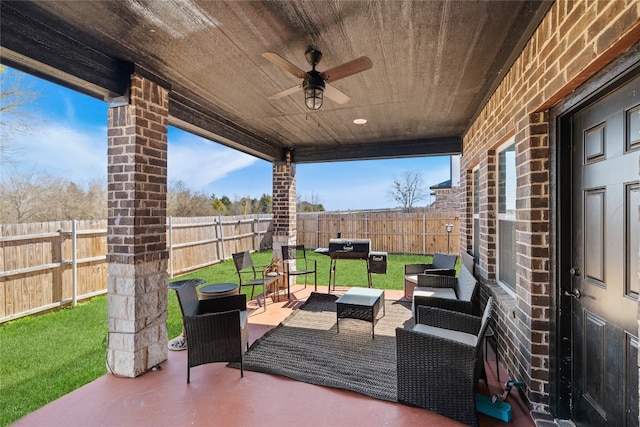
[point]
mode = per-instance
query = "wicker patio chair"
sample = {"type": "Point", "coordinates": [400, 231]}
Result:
{"type": "Point", "coordinates": [216, 329]}
{"type": "Point", "coordinates": [301, 265]}
{"type": "Point", "coordinates": [442, 265]}
{"type": "Point", "coordinates": [451, 293]}
{"type": "Point", "coordinates": [440, 362]}
{"type": "Point", "coordinates": [252, 275]}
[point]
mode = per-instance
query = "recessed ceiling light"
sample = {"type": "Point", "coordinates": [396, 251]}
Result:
{"type": "Point", "coordinates": [360, 121]}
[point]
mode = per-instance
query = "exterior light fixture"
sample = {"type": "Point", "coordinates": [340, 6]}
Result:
{"type": "Point", "coordinates": [449, 228]}
{"type": "Point", "coordinates": [360, 121]}
{"type": "Point", "coordinates": [313, 90]}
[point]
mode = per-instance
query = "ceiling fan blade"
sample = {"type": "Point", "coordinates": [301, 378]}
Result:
{"type": "Point", "coordinates": [347, 69]}
{"type": "Point", "coordinates": [286, 92]}
{"type": "Point", "coordinates": [284, 64]}
{"type": "Point", "coordinates": [336, 95]}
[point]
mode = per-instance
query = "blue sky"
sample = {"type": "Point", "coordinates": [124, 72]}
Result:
{"type": "Point", "coordinates": [68, 139]}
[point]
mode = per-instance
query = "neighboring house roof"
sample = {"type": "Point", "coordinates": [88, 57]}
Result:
{"type": "Point", "coordinates": [443, 185]}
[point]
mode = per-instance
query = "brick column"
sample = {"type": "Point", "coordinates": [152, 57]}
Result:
{"type": "Point", "coordinates": [284, 205]}
{"type": "Point", "coordinates": [532, 261]}
{"type": "Point", "coordinates": [136, 238]}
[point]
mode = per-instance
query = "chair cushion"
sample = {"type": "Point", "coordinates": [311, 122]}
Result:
{"type": "Point", "coordinates": [444, 293]}
{"type": "Point", "coordinates": [461, 337]}
{"type": "Point", "coordinates": [447, 293]}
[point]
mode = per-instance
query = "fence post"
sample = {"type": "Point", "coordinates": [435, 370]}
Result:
{"type": "Point", "coordinates": [74, 264]}
{"type": "Point", "coordinates": [257, 232]}
{"type": "Point", "coordinates": [366, 225]}
{"type": "Point", "coordinates": [317, 231]}
{"type": "Point", "coordinates": [171, 247]}
{"type": "Point", "coordinates": [221, 237]}
{"type": "Point", "coordinates": [424, 233]}
{"type": "Point", "coordinates": [255, 225]}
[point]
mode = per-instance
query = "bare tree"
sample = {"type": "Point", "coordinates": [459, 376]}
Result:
{"type": "Point", "coordinates": [182, 202]}
{"type": "Point", "coordinates": [15, 118]}
{"type": "Point", "coordinates": [408, 189]}
{"type": "Point", "coordinates": [23, 197]}
{"type": "Point", "coordinates": [31, 197]}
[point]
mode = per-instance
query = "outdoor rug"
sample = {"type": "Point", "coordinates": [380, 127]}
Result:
{"type": "Point", "coordinates": [306, 347]}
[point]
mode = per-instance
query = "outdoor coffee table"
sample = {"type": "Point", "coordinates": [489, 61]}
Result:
{"type": "Point", "coordinates": [362, 304]}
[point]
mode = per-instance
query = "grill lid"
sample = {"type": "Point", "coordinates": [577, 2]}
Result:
{"type": "Point", "coordinates": [350, 248]}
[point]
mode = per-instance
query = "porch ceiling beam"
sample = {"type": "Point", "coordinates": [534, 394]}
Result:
{"type": "Point", "coordinates": [45, 51]}
{"type": "Point", "coordinates": [381, 150]}
{"type": "Point", "coordinates": [193, 117]}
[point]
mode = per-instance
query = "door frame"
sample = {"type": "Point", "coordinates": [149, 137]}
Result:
{"type": "Point", "coordinates": [617, 73]}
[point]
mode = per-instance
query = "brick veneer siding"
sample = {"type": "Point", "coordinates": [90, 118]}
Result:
{"type": "Point", "coordinates": [447, 199]}
{"type": "Point", "coordinates": [136, 237]}
{"type": "Point", "coordinates": [284, 205]}
{"type": "Point", "coordinates": [574, 41]}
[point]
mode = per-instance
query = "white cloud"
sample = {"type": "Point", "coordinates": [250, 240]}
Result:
{"type": "Point", "coordinates": [61, 151]}
{"type": "Point", "coordinates": [198, 162]}
{"type": "Point", "coordinates": [81, 155]}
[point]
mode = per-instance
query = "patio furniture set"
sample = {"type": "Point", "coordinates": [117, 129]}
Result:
{"type": "Point", "coordinates": [439, 360]}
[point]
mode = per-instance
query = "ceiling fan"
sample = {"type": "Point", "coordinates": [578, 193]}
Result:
{"type": "Point", "coordinates": [316, 83]}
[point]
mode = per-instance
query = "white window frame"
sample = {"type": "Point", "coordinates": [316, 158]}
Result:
{"type": "Point", "coordinates": [475, 213]}
{"type": "Point", "coordinates": [506, 213]}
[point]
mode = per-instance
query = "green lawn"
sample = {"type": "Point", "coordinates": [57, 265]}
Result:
{"type": "Point", "coordinates": [44, 357]}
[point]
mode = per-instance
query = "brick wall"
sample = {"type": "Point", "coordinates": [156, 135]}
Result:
{"type": "Point", "coordinates": [447, 199]}
{"type": "Point", "coordinates": [284, 205]}
{"type": "Point", "coordinates": [574, 41]}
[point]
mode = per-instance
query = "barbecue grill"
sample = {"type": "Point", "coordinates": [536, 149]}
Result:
{"type": "Point", "coordinates": [349, 248]}
{"type": "Point", "coordinates": [354, 249]}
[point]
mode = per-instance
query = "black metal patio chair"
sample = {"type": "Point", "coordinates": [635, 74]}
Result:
{"type": "Point", "coordinates": [296, 264]}
{"type": "Point", "coordinates": [252, 275]}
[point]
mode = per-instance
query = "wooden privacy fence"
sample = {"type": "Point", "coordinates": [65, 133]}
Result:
{"type": "Point", "coordinates": [53, 264]}
{"type": "Point", "coordinates": [49, 265]}
{"type": "Point", "coordinates": [394, 232]}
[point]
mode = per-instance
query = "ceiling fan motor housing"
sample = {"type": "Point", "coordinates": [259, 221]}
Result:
{"type": "Point", "coordinates": [313, 56]}
{"type": "Point", "coordinates": [313, 80]}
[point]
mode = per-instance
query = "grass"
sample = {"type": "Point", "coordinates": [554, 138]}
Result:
{"type": "Point", "coordinates": [45, 357]}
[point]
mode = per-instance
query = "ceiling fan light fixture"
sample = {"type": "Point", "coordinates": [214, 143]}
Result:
{"type": "Point", "coordinates": [313, 90]}
{"type": "Point", "coordinates": [313, 98]}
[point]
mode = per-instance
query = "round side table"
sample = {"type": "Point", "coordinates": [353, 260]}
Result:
{"type": "Point", "coordinates": [218, 290]}
{"type": "Point", "coordinates": [179, 283]}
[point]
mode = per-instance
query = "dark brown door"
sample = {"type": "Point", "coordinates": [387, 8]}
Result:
{"type": "Point", "coordinates": [605, 285]}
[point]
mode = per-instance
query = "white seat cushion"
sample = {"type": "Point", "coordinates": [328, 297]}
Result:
{"type": "Point", "coordinates": [461, 337]}
{"type": "Point", "coordinates": [446, 293]}
{"type": "Point", "coordinates": [413, 278]}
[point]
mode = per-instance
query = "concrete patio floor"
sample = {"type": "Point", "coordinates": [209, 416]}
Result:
{"type": "Point", "coordinates": [218, 396]}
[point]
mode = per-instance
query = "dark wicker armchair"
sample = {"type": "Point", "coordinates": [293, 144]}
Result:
{"type": "Point", "coordinates": [442, 265]}
{"type": "Point", "coordinates": [301, 265]}
{"type": "Point", "coordinates": [440, 362]}
{"type": "Point", "coordinates": [216, 329]}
